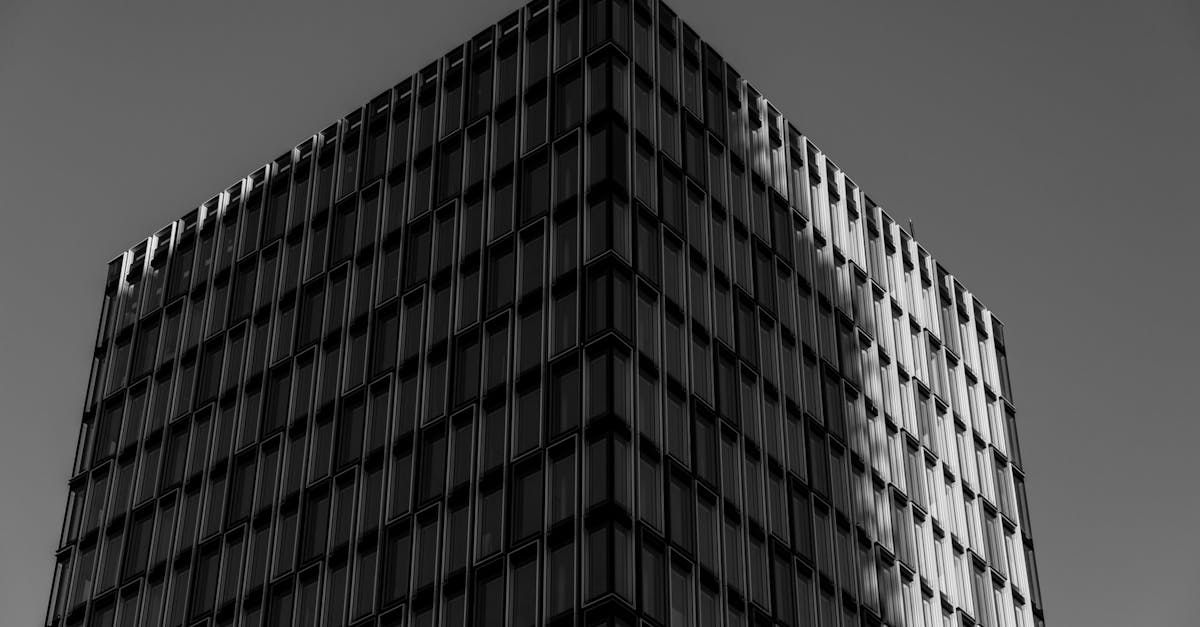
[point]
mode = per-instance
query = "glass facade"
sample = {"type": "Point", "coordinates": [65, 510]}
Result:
{"type": "Point", "coordinates": [572, 327]}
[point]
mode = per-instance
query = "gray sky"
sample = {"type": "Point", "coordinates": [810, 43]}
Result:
{"type": "Point", "coordinates": [1047, 155]}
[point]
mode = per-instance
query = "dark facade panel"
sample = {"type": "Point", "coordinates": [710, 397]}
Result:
{"type": "Point", "coordinates": [571, 327]}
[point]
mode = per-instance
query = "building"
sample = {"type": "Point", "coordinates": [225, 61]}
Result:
{"type": "Point", "coordinates": [571, 327]}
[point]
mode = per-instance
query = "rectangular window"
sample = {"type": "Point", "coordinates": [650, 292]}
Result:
{"type": "Point", "coordinates": [526, 513]}
{"type": "Point", "coordinates": [490, 510]}
{"type": "Point", "coordinates": [564, 397]}
{"type": "Point", "coordinates": [433, 465]}
{"type": "Point", "coordinates": [450, 166]}
{"type": "Point", "coordinates": [566, 317]}
{"type": "Point", "coordinates": [527, 421]}
{"type": "Point", "coordinates": [649, 404]}
{"type": "Point", "coordinates": [650, 492]}
{"type": "Point", "coordinates": [535, 118]}
{"type": "Point", "coordinates": [568, 100]}
{"type": "Point", "coordinates": [492, 430]}
{"type": "Point", "coordinates": [679, 433]}
{"type": "Point", "coordinates": [566, 245]}
{"type": "Point", "coordinates": [680, 513]}
{"type": "Point", "coordinates": [501, 277]}
{"type": "Point", "coordinates": [653, 578]}
{"type": "Point", "coordinates": [560, 580]}
{"type": "Point", "coordinates": [535, 188]}
{"type": "Point", "coordinates": [468, 297]}
{"type": "Point", "coordinates": [563, 485]}
{"type": "Point", "coordinates": [524, 594]}
{"type": "Point", "coordinates": [681, 595]}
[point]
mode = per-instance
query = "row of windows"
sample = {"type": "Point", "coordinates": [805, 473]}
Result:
{"type": "Point", "coordinates": [543, 582]}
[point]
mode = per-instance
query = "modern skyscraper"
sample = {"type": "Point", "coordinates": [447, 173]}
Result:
{"type": "Point", "coordinates": [572, 327]}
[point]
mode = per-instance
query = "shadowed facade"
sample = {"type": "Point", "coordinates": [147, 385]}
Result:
{"type": "Point", "coordinates": [572, 327]}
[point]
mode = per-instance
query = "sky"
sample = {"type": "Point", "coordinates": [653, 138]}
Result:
{"type": "Point", "coordinates": [1046, 153]}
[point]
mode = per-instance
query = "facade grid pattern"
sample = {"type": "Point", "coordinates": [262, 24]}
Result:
{"type": "Point", "coordinates": [572, 327]}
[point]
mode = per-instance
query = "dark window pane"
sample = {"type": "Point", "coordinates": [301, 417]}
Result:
{"type": "Point", "coordinates": [450, 165]}
{"type": "Point", "coordinates": [568, 100]}
{"type": "Point", "coordinates": [526, 513]}
{"type": "Point", "coordinates": [564, 398]}
{"type": "Point", "coordinates": [535, 188]}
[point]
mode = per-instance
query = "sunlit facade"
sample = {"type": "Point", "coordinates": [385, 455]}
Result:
{"type": "Point", "coordinates": [571, 327]}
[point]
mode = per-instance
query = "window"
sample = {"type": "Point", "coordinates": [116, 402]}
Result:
{"type": "Point", "coordinates": [468, 297]}
{"type": "Point", "coordinates": [609, 302]}
{"type": "Point", "coordinates": [681, 595]}
{"type": "Point", "coordinates": [137, 546]}
{"type": "Point", "coordinates": [680, 512]}
{"type": "Point", "coordinates": [537, 51]}
{"type": "Point", "coordinates": [433, 465]}
{"type": "Point", "coordinates": [607, 157]}
{"type": "Point", "coordinates": [676, 358]}
{"type": "Point", "coordinates": [496, 373]}
{"type": "Point", "coordinates": [608, 86]}
{"type": "Point", "coordinates": [562, 484]}
{"type": "Point", "coordinates": [565, 310]}
{"type": "Point", "coordinates": [694, 152]}
{"type": "Point", "coordinates": [523, 603]}
{"type": "Point", "coordinates": [335, 594]}
{"type": "Point", "coordinates": [444, 241]}
{"type": "Point", "coordinates": [386, 340]}
{"type": "Point", "coordinates": [643, 108]}
{"type": "Point", "coordinates": [476, 166]}
{"type": "Point", "coordinates": [452, 95]}
{"type": "Point", "coordinates": [668, 115]}
{"type": "Point", "coordinates": [535, 188]}
{"type": "Point", "coordinates": [647, 252]}
{"type": "Point", "coordinates": [466, 370]}
{"type": "Point", "coordinates": [425, 546]}
{"type": "Point", "coordinates": [401, 483]}
{"type": "Point", "coordinates": [285, 542]}
{"type": "Point", "coordinates": [506, 67]}
{"type": "Point", "coordinates": [450, 166]}
{"type": "Point", "coordinates": [349, 437]}
{"type": "Point", "coordinates": [491, 509]}
{"type": "Point", "coordinates": [566, 245]}
{"type": "Point", "coordinates": [596, 561]}
{"type": "Point", "coordinates": [653, 581]}
{"type": "Point", "coordinates": [500, 277]}
{"type": "Point", "coordinates": [460, 451]}
{"type": "Point", "coordinates": [564, 397]}
{"type": "Point", "coordinates": [316, 525]}
{"type": "Point", "coordinates": [560, 580]}
{"type": "Point", "coordinates": [536, 117]}
{"type": "Point", "coordinates": [526, 513]}
{"type": "Point", "coordinates": [567, 37]}
{"type": "Point", "coordinates": [504, 142]}
{"type": "Point", "coordinates": [649, 405]}
{"type": "Point", "coordinates": [455, 538]}
{"type": "Point", "coordinates": [650, 491]}
{"type": "Point", "coordinates": [706, 448]}
{"type": "Point", "coordinates": [345, 224]}
{"type": "Point", "coordinates": [679, 433]}
{"type": "Point", "coordinates": [492, 430]}
{"type": "Point", "coordinates": [568, 100]}
{"type": "Point", "coordinates": [420, 253]}
{"type": "Point", "coordinates": [204, 581]}
{"type": "Point", "coordinates": [435, 387]}
{"type": "Point", "coordinates": [527, 421]}
{"type": "Point", "coordinates": [566, 171]}
{"type": "Point", "coordinates": [480, 88]}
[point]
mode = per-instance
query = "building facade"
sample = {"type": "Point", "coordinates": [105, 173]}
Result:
{"type": "Point", "coordinates": [571, 327]}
